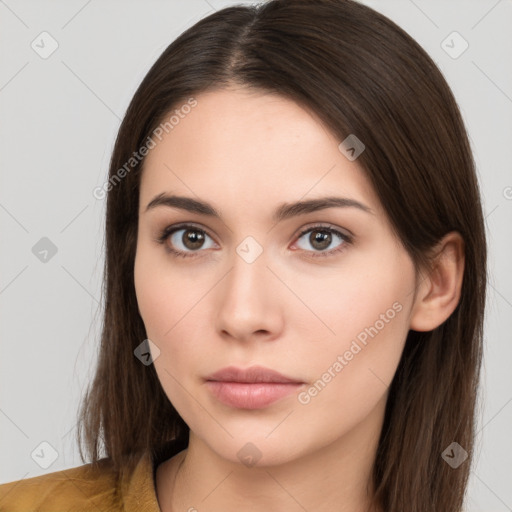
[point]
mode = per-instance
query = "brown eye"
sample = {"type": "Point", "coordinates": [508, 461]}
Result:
{"type": "Point", "coordinates": [188, 239]}
{"type": "Point", "coordinates": [192, 238]}
{"type": "Point", "coordinates": [185, 240]}
{"type": "Point", "coordinates": [321, 238]}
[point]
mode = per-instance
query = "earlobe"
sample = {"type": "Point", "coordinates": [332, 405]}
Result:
{"type": "Point", "coordinates": [439, 292]}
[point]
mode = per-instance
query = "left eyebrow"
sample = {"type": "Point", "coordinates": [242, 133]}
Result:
{"type": "Point", "coordinates": [283, 212]}
{"type": "Point", "coordinates": [288, 210]}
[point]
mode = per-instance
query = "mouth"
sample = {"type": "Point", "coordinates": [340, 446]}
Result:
{"type": "Point", "coordinates": [251, 388]}
{"type": "Point", "coordinates": [253, 374]}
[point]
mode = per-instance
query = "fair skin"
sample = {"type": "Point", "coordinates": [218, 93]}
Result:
{"type": "Point", "coordinates": [246, 153]}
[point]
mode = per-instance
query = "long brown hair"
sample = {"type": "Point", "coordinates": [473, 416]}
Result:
{"type": "Point", "coordinates": [363, 75]}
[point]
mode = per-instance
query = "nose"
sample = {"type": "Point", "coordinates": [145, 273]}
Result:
{"type": "Point", "coordinates": [250, 301]}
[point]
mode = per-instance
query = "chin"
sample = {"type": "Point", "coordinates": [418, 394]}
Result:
{"type": "Point", "coordinates": [256, 451]}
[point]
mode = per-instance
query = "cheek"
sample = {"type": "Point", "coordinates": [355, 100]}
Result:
{"type": "Point", "coordinates": [350, 377]}
{"type": "Point", "coordinates": [167, 298]}
{"type": "Point", "coordinates": [151, 298]}
{"type": "Point", "coordinates": [368, 314]}
{"type": "Point", "coordinates": [161, 291]}
{"type": "Point", "coordinates": [165, 318]}
{"type": "Point", "coordinates": [171, 321]}
{"type": "Point", "coordinates": [370, 291]}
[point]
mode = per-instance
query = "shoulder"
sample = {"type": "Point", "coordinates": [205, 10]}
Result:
{"type": "Point", "coordinates": [76, 488]}
{"type": "Point", "coordinates": [92, 487]}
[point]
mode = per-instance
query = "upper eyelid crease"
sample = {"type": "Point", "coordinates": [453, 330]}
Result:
{"type": "Point", "coordinates": [318, 226]}
{"type": "Point", "coordinates": [283, 212]}
{"type": "Point", "coordinates": [170, 230]}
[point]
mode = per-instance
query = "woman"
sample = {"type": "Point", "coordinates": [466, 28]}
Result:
{"type": "Point", "coordinates": [295, 278]}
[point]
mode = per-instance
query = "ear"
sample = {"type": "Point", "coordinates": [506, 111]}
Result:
{"type": "Point", "coordinates": [438, 293]}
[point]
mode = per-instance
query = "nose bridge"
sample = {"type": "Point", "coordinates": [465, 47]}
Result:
{"type": "Point", "coordinates": [248, 302]}
{"type": "Point", "coordinates": [249, 277]}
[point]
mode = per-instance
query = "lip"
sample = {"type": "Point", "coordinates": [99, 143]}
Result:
{"type": "Point", "coordinates": [250, 388]}
{"type": "Point", "coordinates": [253, 374]}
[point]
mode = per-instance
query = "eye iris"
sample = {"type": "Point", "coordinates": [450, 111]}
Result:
{"type": "Point", "coordinates": [323, 237]}
{"type": "Point", "coordinates": [192, 239]}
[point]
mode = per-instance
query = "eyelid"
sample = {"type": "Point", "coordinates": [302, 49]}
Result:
{"type": "Point", "coordinates": [326, 225]}
{"type": "Point", "coordinates": [171, 229]}
{"type": "Point", "coordinates": [337, 231]}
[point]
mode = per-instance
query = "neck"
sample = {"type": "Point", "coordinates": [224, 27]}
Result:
{"type": "Point", "coordinates": [333, 476]}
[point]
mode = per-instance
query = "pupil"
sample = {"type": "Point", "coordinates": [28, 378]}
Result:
{"type": "Point", "coordinates": [193, 239]}
{"type": "Point", "coordinates": [323, 237]}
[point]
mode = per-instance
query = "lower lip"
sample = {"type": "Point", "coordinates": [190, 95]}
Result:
{"type": "Point", "coordinates": [256, 395]}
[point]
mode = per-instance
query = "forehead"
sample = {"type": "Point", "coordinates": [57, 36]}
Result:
{"type": "Point", "coordinates": [243, 144]}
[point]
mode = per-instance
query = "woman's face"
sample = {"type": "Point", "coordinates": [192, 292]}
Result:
{"type": "Point", "coordinates": [329, 308]}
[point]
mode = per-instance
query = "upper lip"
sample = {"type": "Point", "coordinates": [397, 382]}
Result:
{"type": "Point", "coordinates": [251, 374]}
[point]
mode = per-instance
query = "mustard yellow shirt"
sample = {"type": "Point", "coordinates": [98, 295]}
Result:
{"type": "Point", "coordinates": [90, 488]}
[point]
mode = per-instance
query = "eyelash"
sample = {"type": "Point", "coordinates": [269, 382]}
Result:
{"type": "Point", "coordinates": [168, 231]}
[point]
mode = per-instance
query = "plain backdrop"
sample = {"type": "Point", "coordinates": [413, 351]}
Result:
{"type": "Point", "coordinates": [68, 71]}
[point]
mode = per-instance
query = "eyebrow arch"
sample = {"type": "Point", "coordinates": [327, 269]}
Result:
{"type": "Point", "coordinates": [283, 212]}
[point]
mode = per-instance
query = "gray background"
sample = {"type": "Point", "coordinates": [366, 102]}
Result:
{"type": "Point", "coordinates": [59, 118]}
